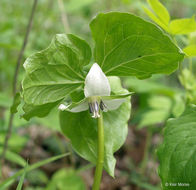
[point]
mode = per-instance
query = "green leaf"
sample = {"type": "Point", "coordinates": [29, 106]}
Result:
{"type": "Point", "coordinates": [38, 111]}
{"type": "Point", "coordinates": [16, 103]}
{"type": "Point", "coordinates": [66, 180]}
{"type": "Point", "coordinates": [13, 157]}
{"type": "Point", "coordinates": [126, 45]}
{"type": "Point", "coordinates": [81, 129]}
{"type": "Point", "coordinates": [155, 19]}
{"type": "Point", "coordinates": [159, 111]}
{"type": "Point", "coordinates": [190, 50]}
{"type": "Point", "coordinates": [11, 179]}
{"type": "Point", "coordinates": [56, 71]}
{"type": "Point", "coordinates": [183, 26]}
{"type": "Point", "coordinates": [19, 186]}
{"type": "Point", "coordinates": [160, 11]}
{"type": "Point", "coordinates": [177, 154]}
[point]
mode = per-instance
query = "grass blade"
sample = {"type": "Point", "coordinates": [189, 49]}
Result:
{"type": "Point", "coordinates": [11, 179]}
{"type": "Point", "coordinates": [19, 187]}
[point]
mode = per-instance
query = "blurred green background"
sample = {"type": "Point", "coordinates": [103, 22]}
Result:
{"type": "Point", "coordinates": [156, 99]}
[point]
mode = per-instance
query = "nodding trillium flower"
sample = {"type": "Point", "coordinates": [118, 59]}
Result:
{"type": "Point", "coordinates": [97, 95]}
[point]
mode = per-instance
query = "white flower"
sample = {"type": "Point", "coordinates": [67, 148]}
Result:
{"type": "Point", "coordinates": [96, 83]}
{"type": "Point", "coordinates": [97, 94]}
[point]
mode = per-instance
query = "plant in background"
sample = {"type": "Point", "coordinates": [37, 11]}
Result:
{"type": "Point", "coordinates": [177, 153]}
{"type": "Point", "coordinates": [64, 76]}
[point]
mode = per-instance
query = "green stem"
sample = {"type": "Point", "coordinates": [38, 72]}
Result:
{"type": "Point", "coordinates": [15, 81]}
{"type": "Point", "coordinates": [146, 150]}
{"type": "Point", "coordinates": [100, 156]}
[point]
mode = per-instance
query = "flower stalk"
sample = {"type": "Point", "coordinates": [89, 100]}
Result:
{"type": "Point", "coordinates": [100, 155]}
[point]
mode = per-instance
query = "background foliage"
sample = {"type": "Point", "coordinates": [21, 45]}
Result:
{"type": "Point", "coordinates": [156, 99]}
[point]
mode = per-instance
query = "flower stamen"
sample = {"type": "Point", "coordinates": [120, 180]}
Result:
{"type": "Point", "coordinates": [94, 109]}
{"type": "Point", "coordinates": [103, 106]}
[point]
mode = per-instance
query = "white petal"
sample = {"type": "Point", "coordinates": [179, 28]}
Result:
{"type": "Point", "coordinates": [96, 83]}
{"type": "Point", "coordinates": [113, 103]}
{"type": "Point", "coordinates": [62, 107]}
{"type": "Point", "coordinates": [75, 107]}
{"type": "Point", "coordinates": [81, 107]}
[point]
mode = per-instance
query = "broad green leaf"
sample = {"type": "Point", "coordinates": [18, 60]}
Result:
{"type": "Point", "coordinates": [19, 186]}
{"type": "Point", "coordinates": [126, 45]}
{"type": "Point", "coordinates": [81, 129]}
{"type": "Point", "coordinates": [160, 11]}
{"type": "Point", "coordinates": [56, 71]}
{"type": "Point", "coordinates": [159, 111]}
{"type": "Point", "coordinates": [190, 50]}
{"type": "Point", "coordinates": [15, 104]}
{"type": "Point", "coordinates": [183, 26]}
{"type": "Point", "coordinates": [155, 19]}
{"type": "Point", "coordinates": [11, 179]}
{"type": "Point", "coordinates": [66, 180]}
{"type": "Point", "coordinates": [38, 111]}
{"type": "Point", "coordinates": [177, 154]}
{"type": "Point", "coordinates": [77, 95]}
